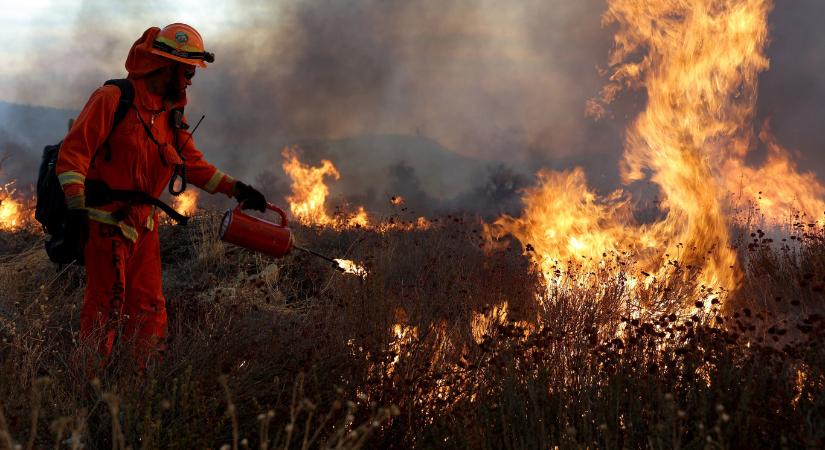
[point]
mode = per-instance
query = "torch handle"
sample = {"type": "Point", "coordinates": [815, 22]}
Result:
{"type": "Point", "coordinates": [314, 253]}
{"type": "Point", "coordinates": [270, 207]}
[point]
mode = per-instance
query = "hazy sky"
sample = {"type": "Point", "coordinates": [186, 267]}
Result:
{"type": "Point", "coordinates": [50, 27]}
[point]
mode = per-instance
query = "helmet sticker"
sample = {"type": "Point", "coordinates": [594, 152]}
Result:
{"type": "Point", "coordinates": [181, 38]}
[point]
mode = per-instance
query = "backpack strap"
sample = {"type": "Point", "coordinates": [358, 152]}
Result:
{"type": "Point", "coordinates": [127, 98]}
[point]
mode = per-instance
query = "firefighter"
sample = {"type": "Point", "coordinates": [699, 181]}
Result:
{"type": "Point", "coordinates": [124, 297]}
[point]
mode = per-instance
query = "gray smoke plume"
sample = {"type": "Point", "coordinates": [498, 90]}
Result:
{"type": "Point", "coordinates": [448, 89]}
{"type": "Point", "coordinates": [490, 81]}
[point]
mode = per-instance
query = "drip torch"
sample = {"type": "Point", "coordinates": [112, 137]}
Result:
{"type": "Point", "coordinates": [254, 233]}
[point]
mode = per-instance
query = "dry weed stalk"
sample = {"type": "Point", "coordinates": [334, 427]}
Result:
{"type": "Point", "coordinates": [497, 358]}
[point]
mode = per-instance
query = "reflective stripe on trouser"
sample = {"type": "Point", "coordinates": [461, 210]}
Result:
{"type": "Point", "coordinates": [124, 294]}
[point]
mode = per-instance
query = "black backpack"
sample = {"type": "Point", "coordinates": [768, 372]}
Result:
{"type": "Point", "coordinates": [51, 202]}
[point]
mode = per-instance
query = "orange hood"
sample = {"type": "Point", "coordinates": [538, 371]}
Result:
{"type": "Point", "coordinates": [141, 60]}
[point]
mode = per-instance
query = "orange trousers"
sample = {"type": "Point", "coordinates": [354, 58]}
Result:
{"type": "Point", "coordinates": [124, 296]}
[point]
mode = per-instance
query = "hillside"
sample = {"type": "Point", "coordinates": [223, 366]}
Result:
{"type": "Point", "coordinates": [373, 168]}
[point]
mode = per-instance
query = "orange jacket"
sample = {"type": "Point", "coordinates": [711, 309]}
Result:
{"type": "Point", "coordinates": [136, 163]}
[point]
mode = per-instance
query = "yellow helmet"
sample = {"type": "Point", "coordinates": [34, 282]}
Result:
{"type": "Point", "coordinates": [183, 43]}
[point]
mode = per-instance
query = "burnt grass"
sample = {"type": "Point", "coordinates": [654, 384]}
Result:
{"type": "Point", "coordinates": [421, 353]}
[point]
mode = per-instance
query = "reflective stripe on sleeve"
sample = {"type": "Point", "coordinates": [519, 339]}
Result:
{"type": "Point", "coordinates": [213, 182]}
{"type": "Point", "coordinates": [71, 177]}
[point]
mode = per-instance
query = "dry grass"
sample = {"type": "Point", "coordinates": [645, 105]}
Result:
{"type": "Point", "coordinates": [421, 353]}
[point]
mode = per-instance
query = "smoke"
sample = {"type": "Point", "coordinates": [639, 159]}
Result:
{"type": "Point", "coordinates": [491, 82]}
{"type": "Point", "coordinates": [792, 92]}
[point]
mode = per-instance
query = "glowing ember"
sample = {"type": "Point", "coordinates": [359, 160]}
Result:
{"type": "Point", "coordinates": [699, 65]}
{"type": "Point", "coordinates": [351, 267]}
{"type": "Point", "coordinates": [186, 203]}
{"type": "Point", "coordinates": [484, 323]}
{"type": "Point", "coordinates": [397, 200]}
{"type": "Point", "coordinates": [403, 335]}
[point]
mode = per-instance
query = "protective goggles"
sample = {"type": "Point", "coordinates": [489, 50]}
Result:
{"type": "Point", "coordinates": [206, 56]}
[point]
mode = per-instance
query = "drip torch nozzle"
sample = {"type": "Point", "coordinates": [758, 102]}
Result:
{"type": "Point", "coordinates": [325, 258]}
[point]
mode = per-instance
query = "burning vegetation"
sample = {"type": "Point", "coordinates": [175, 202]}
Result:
{"type": "Point", "coordinates": [187, 202]}
{"type": "Point", "coordinates": [16, 211]}
{"type": "Point", "coordinates": [699, 66]}
{"type": "Point", "coordinates": [309, 193]}
{"type": "Point", "coordinates": [701, 328]}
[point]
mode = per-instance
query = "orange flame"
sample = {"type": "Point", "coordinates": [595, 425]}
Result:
{"type": "Point", "coordinates": [351, 267]}
{"type": "Point", "coordinates": [309, 192]}
{"type": "Point", "coordinates": [186, 203]}
{"type": "Point", "coordinates": [698, 62]}
{"type": "Point", "coordinates": [360, 219]}
{"type": "Point", "coordinates": [309, 195]}
{"type": "Point", "coordinates": [776, 189]}
{"type": "Point", "coordinates": [14, 214]}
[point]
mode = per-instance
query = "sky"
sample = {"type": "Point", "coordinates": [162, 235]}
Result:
{"type": "Point", "coordinates": [49, 26]}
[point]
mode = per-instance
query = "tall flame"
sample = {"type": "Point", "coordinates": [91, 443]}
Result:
{"type": "Point", "coordinates": [309, 192]}
{"type": "Point", "coordinates": [698, 61]}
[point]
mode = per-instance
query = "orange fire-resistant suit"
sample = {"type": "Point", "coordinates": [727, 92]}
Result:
{"type": "Point", "coordinates": [123, 294]}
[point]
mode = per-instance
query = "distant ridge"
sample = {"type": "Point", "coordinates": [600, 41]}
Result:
{"type": "Point", "coordinates": [373, 167]}
{"type": "Point", "coordinates": [34, 125]}
{"type": "Point", "coordinates": [24, 131]}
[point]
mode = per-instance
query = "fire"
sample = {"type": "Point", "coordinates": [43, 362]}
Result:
{"type": "Point", "coordinates": [309, 195]}
{"type": "Point", "coordinates": [14, 214]}
{"type": "Point", "coordinates": [698, 62]}
{"type": "Point", "coordinates": [776, 189]}
{"type": "Point", "coordinates": [186, 203]}
{"type": "Point", "coordinates": [309, 192]}
{"type": "Point", "coordinates": [360, 219]}
{"type": "Point", "coordinates": [483, 322]}
{"type": "Point", "coordinates": [564, 221]}
{"type": "Point", "coordinates": [351, 267]}
{"type": "Point", "coordinates": [403, 335]}
{"type": "Point", "coordinates": [10, 217]}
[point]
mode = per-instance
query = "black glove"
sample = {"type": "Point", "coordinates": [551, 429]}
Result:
{"type": "Point", "coordinates": [68, 247]}
{"type": "Point", "coordinates": [249, 197]}
{"type": "Point", "coordinates": [77, 226]}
